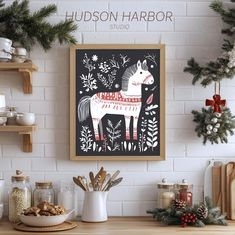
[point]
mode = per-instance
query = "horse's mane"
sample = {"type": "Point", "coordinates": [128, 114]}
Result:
{"type": "Point", "coordinates": [130, 71]}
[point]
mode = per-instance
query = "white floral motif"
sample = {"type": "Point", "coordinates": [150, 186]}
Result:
{"type": "Point", "coordinates": [94, 58]}
{"type": "Point", "coordinates": [86, 141]}
{"type": "Point", "coordinates": [104, 67]}
{"type": "Point", "coordinates": [89, 82]}
{"type": "Point", "coordinates": [150, 110]}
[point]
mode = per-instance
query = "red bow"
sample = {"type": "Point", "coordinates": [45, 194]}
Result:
{"type": "Point", "coordinates": [216, 103]}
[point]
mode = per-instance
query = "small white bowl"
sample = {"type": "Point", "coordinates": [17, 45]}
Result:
{"type": "Point", "coordinates": [44, 221]}
{"type": "Point", "coordinates": [25, 119]}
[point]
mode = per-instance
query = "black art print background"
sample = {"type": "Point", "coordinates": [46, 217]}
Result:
{"type": "Point", "coordinates": [149, 119]}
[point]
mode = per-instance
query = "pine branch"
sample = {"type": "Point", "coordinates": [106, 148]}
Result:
{"type": "Point", "coordinates": [18, 24]}
{"type": "Point", "coordinates": [219, 69]}
{"type": "Point", "coordinates": [44, 12]}
{"type": "Point", "coordinates": [172, 216]}
{"type": "Point", "coordinates": [1, 3]}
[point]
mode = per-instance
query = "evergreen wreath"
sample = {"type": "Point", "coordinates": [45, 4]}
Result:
{"type": "Point", "coordinates": [215, 124]}
{"type": "Point", "coordinates": [224, 66]}
{"type": "Point", "coordinates": [198, 215]}
{"type": "Point", "coordinates": [19, 25]}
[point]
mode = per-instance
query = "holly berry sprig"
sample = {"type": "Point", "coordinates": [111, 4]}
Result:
{"type": "Point", "coordinates": [188, 218]}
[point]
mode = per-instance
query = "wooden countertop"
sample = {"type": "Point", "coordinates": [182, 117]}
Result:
{"type": "Point", "coordinates": [128, 226]}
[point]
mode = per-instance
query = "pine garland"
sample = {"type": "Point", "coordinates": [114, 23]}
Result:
{"type": "Point", "coordinates": [189, 215]}
{"type": "Point", "coordinates": [214, 127]}
{"type": "Point", "coordinates": [221, 68]}
{"type": "Point", "coordinates": [19, 25]}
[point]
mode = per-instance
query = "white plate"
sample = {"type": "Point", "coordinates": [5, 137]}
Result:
{"type": "Point", "coordinates": [44, 221]}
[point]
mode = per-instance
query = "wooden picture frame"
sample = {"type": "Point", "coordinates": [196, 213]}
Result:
{"type": "Point", "coordinates": [117, 102]}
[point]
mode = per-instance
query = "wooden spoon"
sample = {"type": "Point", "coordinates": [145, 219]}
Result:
{"type": "Point", "coordinates": [114, 176]}
{"type": "Point", "coordinates": [114, 183]}
{"type": "Point", "coordinates": [92, 178]}
{"type": "Point", "coordinates": [80, 178]}
{"type": "Point", "coordinates": [107, 178]}
{"type": "Point", "coordinates": [77, 182]}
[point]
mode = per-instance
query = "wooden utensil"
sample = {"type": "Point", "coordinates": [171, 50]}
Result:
{"type": "Point", "coordinates": [216, 184]}
{"type": "Point", "coordinates": [98, 178]}
{"type": "Point", "coordinates": [114, 176]}
{"type": "Point", "coordinates": [107, 178]}
{"type": "Point", "coordinates": [85, 182]}
{"type": "Point", "coordinates": [102, 179]}
{"type": "Point", "coordinates": [77, 182]}
{"type": "Point", "coordinates": [223, 195]}
{"type": "Point", "coordinates": [228, 171]}
{"type": "Point", "coordinates": [114, 183]}
{"type": "Point", "coordinates": [92, 179]}
{"type": "Point", "coordinates": [232, 196]}
{"type": "Point", "coordinates": [232, 192]}
{"type": "Point", "coordinates": [82, 182]}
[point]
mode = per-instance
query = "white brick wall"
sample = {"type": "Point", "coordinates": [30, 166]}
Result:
{"type": "Point", "coordinates": [194, 31]}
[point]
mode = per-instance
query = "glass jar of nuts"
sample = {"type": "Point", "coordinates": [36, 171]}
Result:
{"type": "Point", "coordinates": [19, 196]}
{"type": "Point", "coordinates": [43, 192]}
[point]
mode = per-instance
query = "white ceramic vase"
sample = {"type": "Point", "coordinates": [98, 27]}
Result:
{"type": "Point", "coordinates": [94, 207]}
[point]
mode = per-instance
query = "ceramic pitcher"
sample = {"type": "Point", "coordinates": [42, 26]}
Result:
{"type": "Point", "coordinates": [94, 207]}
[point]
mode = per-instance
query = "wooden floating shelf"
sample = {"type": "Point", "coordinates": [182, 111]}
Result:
{"type": "Point", "coordinates": [25, 131]}
{"type": "Point", "coordinates": [25, 69]}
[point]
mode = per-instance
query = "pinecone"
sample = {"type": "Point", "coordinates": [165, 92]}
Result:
{"type": "Point", "coordinates": [202, 212]}
{"type": "Point", "coordinates": [179, 204]}
{"type": "Point", "coordinates": [188, 218]}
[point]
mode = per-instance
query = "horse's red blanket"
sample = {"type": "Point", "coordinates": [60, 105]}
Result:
{"type": "Point", "coordinates": [117, 96]}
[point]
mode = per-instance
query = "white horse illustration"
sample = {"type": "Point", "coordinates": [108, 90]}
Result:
{"type": "Point", "coordinates": [126, 102]}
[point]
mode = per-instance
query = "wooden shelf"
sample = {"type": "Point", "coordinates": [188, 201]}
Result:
{"type": "Point", "coordinates": [25, 131]}
{"type": "Point", "coordinates": [25, 69]}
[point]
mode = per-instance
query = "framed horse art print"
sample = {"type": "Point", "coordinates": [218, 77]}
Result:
{"type": "Point", "coordinates": [117, 102]}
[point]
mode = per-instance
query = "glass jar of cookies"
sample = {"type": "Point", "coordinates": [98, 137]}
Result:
{"type": "Point", "coordinates": [19, 196]}
{"type": "Point", "coordinates": [43, 192]}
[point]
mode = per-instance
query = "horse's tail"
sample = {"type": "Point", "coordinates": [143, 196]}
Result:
{"type": "Point", "coordinates": [83, 108]}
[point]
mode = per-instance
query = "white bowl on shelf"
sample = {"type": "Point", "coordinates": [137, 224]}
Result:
{"type": "Point", "coordinates": [25, 119]}
{"type": "Point", "coordinates": [44, 221]}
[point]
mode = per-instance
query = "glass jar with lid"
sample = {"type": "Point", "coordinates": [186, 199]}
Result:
{"type": "Point", "coordinates": [19, 196]}
{"type": "Point", "coordinates": [66, 196]}
{"type": "Point", "coordinates": [165, 194]}
{"type": "Point", "coordinates": [184, 192]}
{"type": "Point", "coordinates": [43, 192]}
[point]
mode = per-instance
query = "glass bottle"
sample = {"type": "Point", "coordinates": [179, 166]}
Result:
{"type": "Point", "coordinates": [165, 194]}
{"type": "Point", "coordinates": [185, 192]}
{"type": "Point", "coordinates": [19, 196]}
{"type": "Point", "coordinates": [66, 196]}
{"type": "Point", "coordinates": [43, 192]}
